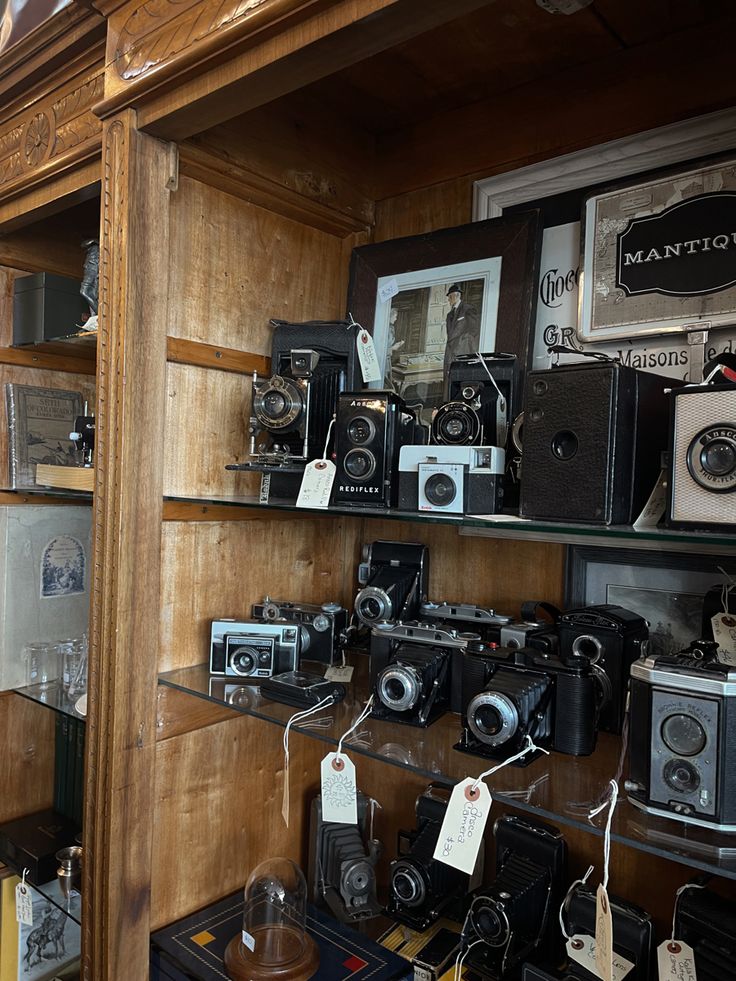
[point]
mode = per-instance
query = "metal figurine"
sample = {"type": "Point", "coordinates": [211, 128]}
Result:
{"type": "Point", "coordinates": [91, 274]}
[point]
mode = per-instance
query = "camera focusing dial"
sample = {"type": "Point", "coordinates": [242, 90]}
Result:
{"type": "Point", "coordinates": [399, 687]}
{"type": "Point", "coordinates": [278, 403]}
{"type": "Point", "coordinates": [493, 718]}
{"type": "Point", "coordinates": [373, 604]}
{"type": "Point", "coordinates": [489, 920]}
{"type": "Point", "coordinates": [408, 883]}
{"type": "Point", "coordinates": [456, 424]}
{"type": "Point", "coordinates": [711, 458]}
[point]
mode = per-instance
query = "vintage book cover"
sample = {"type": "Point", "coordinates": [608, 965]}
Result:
{"type": "Point", "coordinates": [39, 423]}
{"type": "Point", "coordinates": [48, 947]}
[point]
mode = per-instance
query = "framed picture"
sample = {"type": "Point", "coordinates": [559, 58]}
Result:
{"type": "Point", "coordinates": [658, 256]}
{"type": "Point", "coordinates": [667, 589]}
{"type": "Point", "coordinates": [428, 299]}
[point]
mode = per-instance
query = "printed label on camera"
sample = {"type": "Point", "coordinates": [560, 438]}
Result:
{"type": "Point", "coordinates": [676, 961]}
{"type": "Point", "coordinates": [461, 835]}
{"type": "Point", "coordinates": [319, 476]}
{"type": "Point", "coordinates": [23, 905]}
{"type": "Point", "coordinates": [369, 367]}
{"type": "Point", "coordinates": [603, 935]}
{"type": "Point", "coordinates": [724, 634]}
{"type": "Point", "coordinates": [339, 796]}
{"type": "Point", "coordinates": [581, 949]}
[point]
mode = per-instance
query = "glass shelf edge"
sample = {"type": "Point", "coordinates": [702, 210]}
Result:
{"type": "Point", "coordinates": [52, 698]}
{"type": "Point", "coordinates": [51, 892]}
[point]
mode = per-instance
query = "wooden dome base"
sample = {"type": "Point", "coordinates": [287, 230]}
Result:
{"type": "Point", "coordinates": [241, 965]}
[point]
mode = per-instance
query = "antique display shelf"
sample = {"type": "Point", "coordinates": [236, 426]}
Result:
{"type": "Point", "coordinates": [52, 698]}
{"type": "Point", "coordinates": [52, 892]}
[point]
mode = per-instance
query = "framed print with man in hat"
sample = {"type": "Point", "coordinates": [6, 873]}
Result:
{"type": "Point", "coordinates": [432, 298]}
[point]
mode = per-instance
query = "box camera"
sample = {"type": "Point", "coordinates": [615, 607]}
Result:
{"type": "Point", "coordinates": [707, 923]}
{"type": "Point", "coordinates": [481, 397]}
{"type": "Point", "coordinates": [683, 716]}
{"type": "Point", "coordinates": [342, 864]}
{"type": "Point", "coordinates": [371, 428]}
{"type": "Point", "coordinates": [451, 479]}
{"type": "Point", "coordinates": [252, 649]}
{"type": "Point", "coordinates": [410, 669]}
{"type": "Point", "coordinates": [612, 638]}
{"type": "Point", "coordinates": [320, 627]}
{"type": "Point", "coordinates": [394, 578]}
{"type": "Point", "coordinates": [513, 693]}
{"type": "Point", "coordinates": [516, 917]}
{"type": "Point", "coordinates": [422, 889]}
{"type": "Point", "coordinates": [702, 456]}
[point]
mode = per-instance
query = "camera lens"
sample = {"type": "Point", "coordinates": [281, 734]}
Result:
{"type": "Point", "coordinates": [682, 776]}
{"type": "Point", "coordinates": [407, 884]}
{"type": "Point", "coordinates": [244, 660]}
{"type": "Point", "coordinates": [586, 645]}
{"type": "Point", "coordinates": [711, 458]}
{"type": "Point", "coordinates": [684, 735]}
{"type": "Point", "coordinates": [357, 878]}
{"type": "Point", "coordinates": [361, 430]}
{"type": "Point", "coordinates": [564, 445]}
{"type": "Point", "coordinates": [373, 604]}
{"type": "Point", "coordinates": [455, 424]}
{"type": "Point", "coordinates": [440, 490]}
{"type": "Point", "coordinates": [488, 719]}
{"type": "Point", "coordinates": [490, 923]}
{"type": "Point", "coordinates": [274, 404]}
{"type": "Point", "coordinates": [360, 464]}
{"type": "Point", "coordinates": [399, 687]}
{"type": "Point", "coordinates": [492, 718]}
{"type": "Point", "coordinates": [719, 457]}
{"type": "Point", "coordinates": [278, 404]}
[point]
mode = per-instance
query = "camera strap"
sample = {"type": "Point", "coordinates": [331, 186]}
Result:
{"type": "Point", "coordinates": [529, 610]}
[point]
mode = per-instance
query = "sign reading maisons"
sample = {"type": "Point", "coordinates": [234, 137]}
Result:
{"type": "Point", "coordinates": [660, 257]}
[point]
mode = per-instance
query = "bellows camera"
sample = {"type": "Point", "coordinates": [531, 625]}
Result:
{"type": "Point", "coordinates": [703, 456]}
{"type": "Point", "coordinates": [320, 627]}
{"type": "Point", "coordinates": [683, 714]}
{"type": "Point", "coordinates": [707, 923]}
{"type": "Point", "coordinates": [394, 578]}
{"type": "Point", "coordinates": [451, 479]}
{"type": "Point", "coordinates": [421, 889]}
{"type": "Point", "coordinates": [371, 428]}
{"type": "Point", "coordinates": [515, 917]}
{"type": "Point", "coordinates": [342, 864]}
{"type": "Point", "coordinates": [481, 392]}
{"type": "Point", "coordinates": [251, 649]}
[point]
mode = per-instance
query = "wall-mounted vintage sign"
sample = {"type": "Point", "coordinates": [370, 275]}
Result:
{"type": "Point", "coordinates": [660, 257]}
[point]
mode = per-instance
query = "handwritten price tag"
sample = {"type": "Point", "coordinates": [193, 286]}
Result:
{"type": "Point", "coordinates": [339, 796]}
{"type": "Point", "coordinates": [319, 476]}
{"type": "Point", "coordinates": [581, 949]}
{"type": "Point", "coordinates": [23, 904]}
{"type": "Point", "coordinates": [724, 634]}
{"type": "Point", "coordinates": [676, 961]}
{"type": "Point", "coordinates": [461, 835]}
{"type": "Point", "coordinates": [388, 290]}
{"type": "Point", "coordinates": [340, 672]}
{"type": "Point", "coordinates": [369, 367]}
{"type": "Point", "coordinates": [603, 935]}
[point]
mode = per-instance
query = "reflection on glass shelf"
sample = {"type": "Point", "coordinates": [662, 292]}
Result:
{"type": "Point", "coordinates": [84, 497]}
{"type": "Point", "coordinates": [52, 696]}
{"type": "Point", "coordinates": [52, 892]}
{"type": "Point", "coordinates": [508, 526]}
{"type": "Point", "coordinates": [557, 787]}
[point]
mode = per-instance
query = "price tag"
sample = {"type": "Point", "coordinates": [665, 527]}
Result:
{"type": "Point", "coordinates": [388, 290]}
{"type": "Point", "coordinates": [319, 476]}
{"type": "Point", "coordinates": [724, 634]}
{"type": "Point", "coordinates": [655, 506]}
{"type": "Point", "coordinates": [369, 367]}
{"type": "Point", "coordinates": [339, 796]}
{"type": "Point", "coordinates": [23, 904]}
{"type": "Point", "coordinates": [249, 941]}
{"type": "Point", "coordinates": [340, 672]}
{"type": "Point", "coordinates": [461, 835]}
{"type": "Point", "coordinates": [603, 935]}
{"type": "Point", "coordinates": [676, 961]}
{"type": "Point", "coordinates": [581, 949]}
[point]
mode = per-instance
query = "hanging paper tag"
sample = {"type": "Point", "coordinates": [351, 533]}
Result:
{"type": "Point", "coordinates": [462, 829]}
{"type": "Point", "coordinates": [23, 904]}
{"type": "Point", "coordinates": [388, 290]}
{"type": "Point", "coordinates": [369, 366]}
{"type": "Point", "coordinates": [676, 961]}
{"type": "Point", "coordinates": [724, 634]}
{"type": "Point", "coordinates": [339, 797]}
{"type": "Point", "coordinates": [340, 672]}
{"type": "Point", "coordinates": [603, 935]}
{"type": "Point", "coordinates": [581, 949]}
{"type": "Point", "coordinates": [317, 481]}
{"type": "Point", "coordinates": [249, 941]}
{"type": "Point", "coordinates": [655, 506]}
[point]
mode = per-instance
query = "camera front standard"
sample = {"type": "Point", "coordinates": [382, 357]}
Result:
{"type": "Point", "coordinates": [393, 577]}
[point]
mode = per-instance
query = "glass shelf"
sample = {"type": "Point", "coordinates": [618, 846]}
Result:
{"type": "Point", "coordinates": [52, 892]}
{"type": "Point", "coordinates": [510, 526]}
{"type": "Point", "coordinates": [558, 788]}
{"type": "Point", "coordinates": [84, 497]}
{"type": "Point", "coordinates": [52, 697]}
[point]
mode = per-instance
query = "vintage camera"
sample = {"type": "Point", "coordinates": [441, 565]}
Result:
{"type": "Point", "coordinates": [466, 617]}
{"type": "Point", "coordinates": [451, 479]}
{"type": "Point", "coordinates": [707, 923]}
{"type": "Point", "coordinates": [371, 428]}
{"type": "Point", "coordinates": [320, 627]}
{"type": "Point", "coordinates": [410, 670]}
{"type": "Point", "coordinates": [702, 456]}
{"type": "Point", "coordinates": [513, 693]}
{"type": "Point", "coordinates": [394, 578]}
{"type": "Point", "coordinates": [683, 714]}
{"type": "Point", "coordinates": [342, 864]}
{"type": "Point", "coordinates": [251, 649]}
{"type": "Point", "coordinates": [84, 436]}
{"type": "Point", "coordinates": [482, 393]}
{"type": "Point", "coordinates": [422, 889]}
{"type": "Point", "coordinates": [516, 917]}
{"type": "Point", "coordinates": [612, 638]}
{"type": "Point", "coordinates": [531, 630]}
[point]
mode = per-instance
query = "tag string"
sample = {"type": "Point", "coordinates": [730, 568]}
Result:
{"type": "Point", "coordinates": [299, 717]}
{"type": "Point", "coordinates": [527, 748]}
{"type": "Point", "coordinates": [363, 715]}
{"type": "Point", "coordinates": [373, 804]}
{"type": "Point", "coordinates": [490, 375]}
{"type": "Point", "coordinates": [680, 891]}
{"type": "Point", "coordinates": [566, 900]}
{"type": "Point", "coordinates": [461, 959]}
{"type": "Point", "coordinates": [354, 323]}
{"type": "Point", "coordinates": [329, 433]}
{"type": "Point", "coordinates": [726, 588]}
{"type": "Point", "coordinates": [610, 803]}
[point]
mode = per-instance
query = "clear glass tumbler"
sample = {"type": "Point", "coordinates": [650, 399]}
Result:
{"type": "Point", "coordinates": [43, 663]}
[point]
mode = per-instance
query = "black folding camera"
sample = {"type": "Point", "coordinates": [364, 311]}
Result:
{"type": "Point", "coordinates": [633, 938]}
{"type": "Point", "coordinates": [683, 716]}
{"type": "Point", "coordinates": [342, 864]}
{"type": "Point", "coordinates": [707, 923]}
{"type": "Point", "coordinates": [251, 650]}
{"type": "Point", "coordinates": [511, 693]}
{"type": "Point", "coordinates": [320, 627]}
{"type": "Point", "coordinates": [466, 617]}
{"type": "Point", "coordinates": [482, 393]}
{"type": "Point", "coordinates": [516, 917]}
{"type": "Point", "coordinates": [410, 670]}
{"type": "Point", "coordinates": [422, 889]}
{"type": "Point", "coordinates": [370, 430]}
{"type": "Point", "coordinates": [612, 638]}
{"type": "Point", "coordinates": [394, 578]}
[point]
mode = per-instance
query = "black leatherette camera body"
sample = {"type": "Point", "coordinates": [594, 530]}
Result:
{"type": "Point", "coordinates": [707, 922]}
